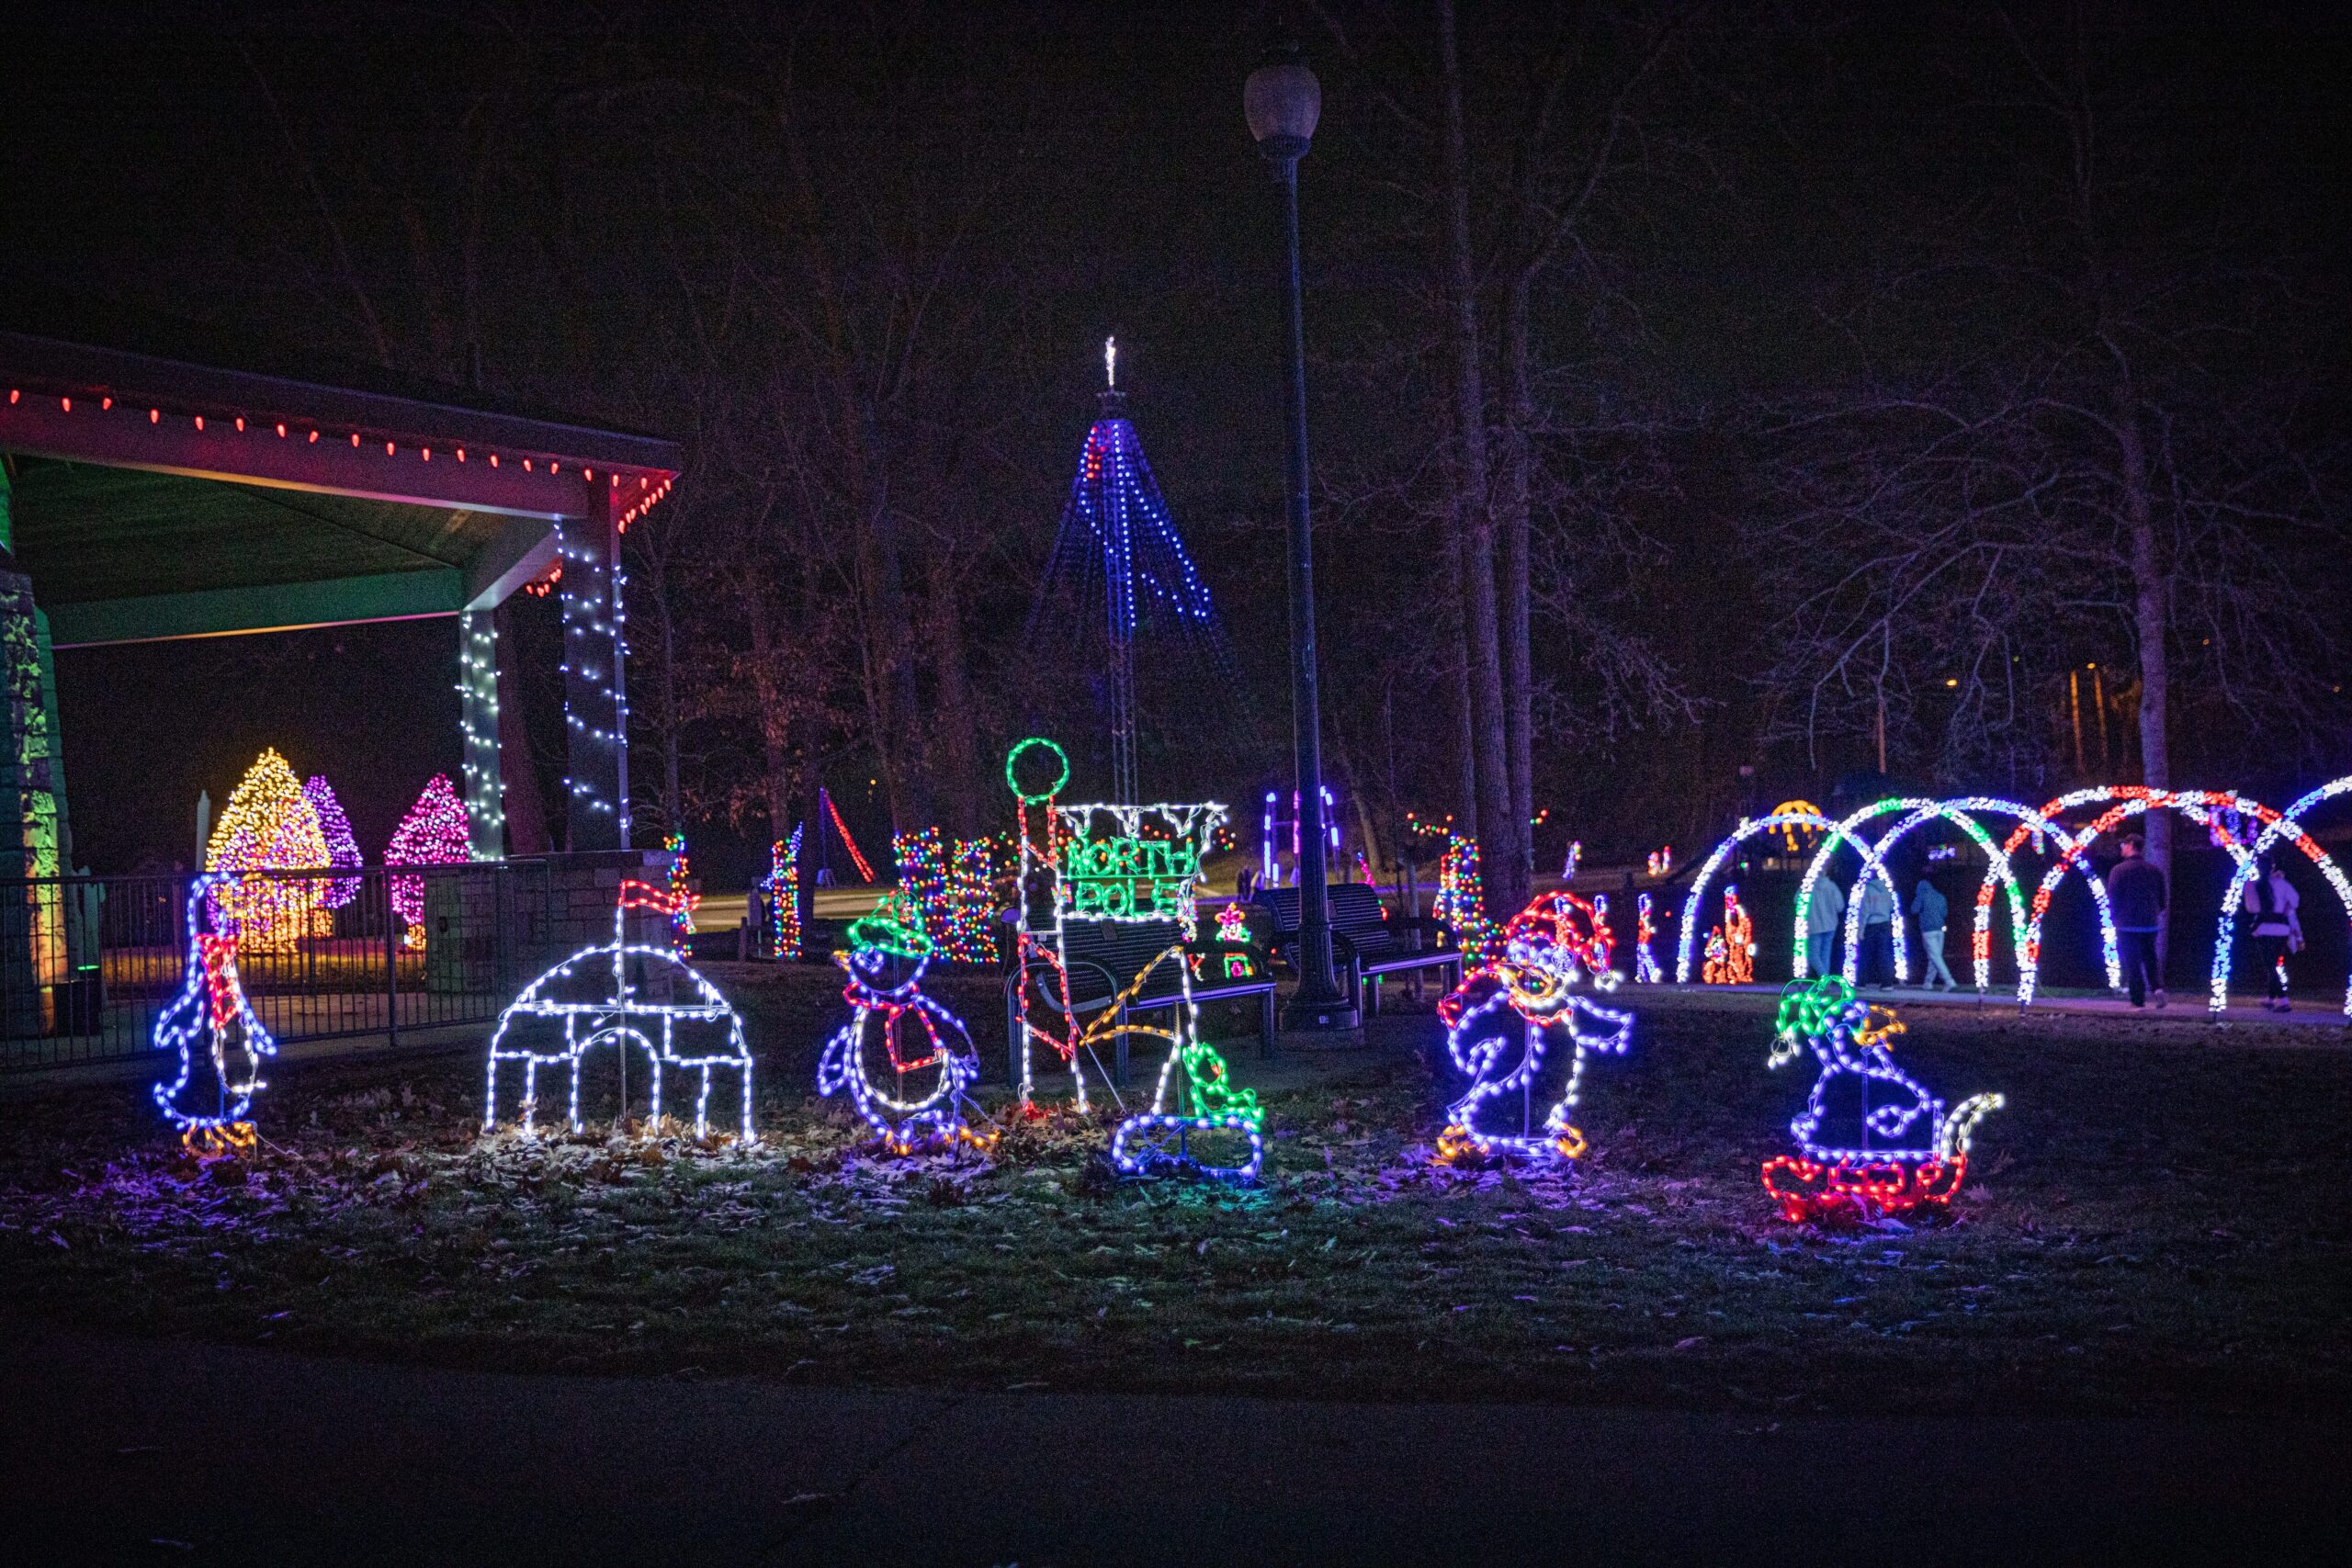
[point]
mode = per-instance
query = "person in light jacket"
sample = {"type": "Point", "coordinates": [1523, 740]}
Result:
{"type": "Point", "coordinates": [1823, 916]}
{"type": "Point", "coordinates": [1878, 933]}
{"type": "Point", "coordinates": [1929, 908]}
{"type": "Point", "coordinates": [2273, 902]}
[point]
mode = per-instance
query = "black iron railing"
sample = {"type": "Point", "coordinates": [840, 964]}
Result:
{"type": "Point", "coordinates": [87, 962]}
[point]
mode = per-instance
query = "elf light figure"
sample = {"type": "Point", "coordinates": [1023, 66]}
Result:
{"type": "Point", "coordinates": [1873, 1140]}
{"type": "Point", "coordinates": [1530, 979]}
{"type": "Point", "coordinates": [211, 1006]}
{"type": "Point", "coordinates": [907, 1121]}
{"type": "Point", "coordinates": [1731, 947]}
{"type": "Point", "coordinates": [1646, 966]}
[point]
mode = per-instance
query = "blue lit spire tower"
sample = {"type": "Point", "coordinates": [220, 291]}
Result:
{"type": "Point", "coordinates": [1118, 556]}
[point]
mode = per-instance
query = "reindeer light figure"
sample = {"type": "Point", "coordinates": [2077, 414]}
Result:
{"type": "Point", "coordinates": [627, 1015]}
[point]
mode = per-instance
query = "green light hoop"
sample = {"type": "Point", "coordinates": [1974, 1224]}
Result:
{"type": "Point", "coordinates": [1020, 749]}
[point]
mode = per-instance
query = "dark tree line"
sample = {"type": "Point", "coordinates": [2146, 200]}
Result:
{"type": "Point", "coordinates": [1709, 402]}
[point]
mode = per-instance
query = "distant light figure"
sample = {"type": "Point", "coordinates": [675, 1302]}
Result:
{"type": "Point", "coordinates": [1111, 363]}
{"type": "Point", "coordinates": [1731, 947]}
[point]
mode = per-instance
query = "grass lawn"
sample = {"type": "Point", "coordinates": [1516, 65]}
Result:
{"type": "Point", "coordinates": [2155, 1222]}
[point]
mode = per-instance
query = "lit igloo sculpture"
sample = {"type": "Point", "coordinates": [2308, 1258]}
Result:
{"type": "Point", "coordinates": [666, 1009]}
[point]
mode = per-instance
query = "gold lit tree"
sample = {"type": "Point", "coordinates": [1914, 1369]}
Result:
{"type": "Point", "coordinates": [269, 824]}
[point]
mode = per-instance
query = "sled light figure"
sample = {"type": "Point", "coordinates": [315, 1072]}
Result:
{"type": "Point", "coordinates": [212, 1006]}
{"type": "Point", "coordinates": [1874, 1141]}
{"type": "Point", "coordinates": [1531, 977]}
{"type": "Point", "coordinates": [907, 1121]}
{"type": "Point", "coordinates": [1158, 1140]}
{"type": "Point", "coordinates": [623, 1018]}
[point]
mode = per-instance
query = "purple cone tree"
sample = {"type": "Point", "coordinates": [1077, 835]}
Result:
{"type": "Point", "coordinates": [433, 834]}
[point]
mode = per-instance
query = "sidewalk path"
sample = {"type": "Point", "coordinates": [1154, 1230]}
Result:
{"type": "Point", "coordinates": [135, 1450]}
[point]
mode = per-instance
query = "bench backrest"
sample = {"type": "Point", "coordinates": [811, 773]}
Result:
{"type": "Point", "coordinates": [1355, 909]}
{"type": "Point", "coordinates": [1124, 948]}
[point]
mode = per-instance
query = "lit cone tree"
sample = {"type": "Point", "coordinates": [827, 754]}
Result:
{"type": "Point", "coordinates": [343, 850]}
{"type": "Point", "coordinates": [268, 824]}
{"type": "Point", "coordinates": [1120, 570]}
{"type": "Point", "coordinates": [433, 834]}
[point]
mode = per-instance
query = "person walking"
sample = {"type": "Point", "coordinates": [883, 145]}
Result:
{"type": "Point", "coordinates": [1823, 916]}
{"type": "Point", "coordinates": [2135, 896]}
{"type": "Point", "coordinates": [1878, 933]}
{"type": "Point", "coordinates": [2273, 902]}
{"type": "Point", "coordinates": [1929, 908]}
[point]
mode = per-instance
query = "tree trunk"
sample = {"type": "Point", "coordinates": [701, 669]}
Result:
{"type": "Point", "coordinates": [2151, 620]}
{"type": "Point", "coordinates": [1501, 860]}
{"type": "Point", "coordinates": [958, 736]}
{"type": "Point", "coordinates": [775, 752]}
{"type": "Point", "coordinates": [1518, 675]}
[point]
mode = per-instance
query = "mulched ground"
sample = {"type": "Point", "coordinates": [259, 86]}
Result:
{"type": "Point", "coordinates": [2156, 1223]}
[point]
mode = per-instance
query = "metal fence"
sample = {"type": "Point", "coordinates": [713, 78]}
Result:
{"type": "Point", "coordinates": [87, 962]}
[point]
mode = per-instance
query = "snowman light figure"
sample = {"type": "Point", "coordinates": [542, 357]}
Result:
{"type": "Point", "coordinates": [908, 1121]}
{"type": "Point", "coordinates": [1874, 1141]}
{"type": "Point", "coordinates": [1531, 978]}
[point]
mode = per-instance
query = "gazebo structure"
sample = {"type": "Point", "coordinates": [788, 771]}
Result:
{"type": "Point", "coordinates": [152, 493]}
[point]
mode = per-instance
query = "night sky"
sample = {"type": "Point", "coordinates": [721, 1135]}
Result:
{"type": "Point", "coordinates": [264, 168]}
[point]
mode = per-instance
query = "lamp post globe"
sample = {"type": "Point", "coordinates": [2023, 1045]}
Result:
{"type": "Point", "coordinates": [1281, 102]}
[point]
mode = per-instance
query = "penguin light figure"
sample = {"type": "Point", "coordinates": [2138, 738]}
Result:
{"type": "Point", "coordinates": [212, 1006]}
{"type": "Point", "coordinates": [1873, 1140]}
{"type": "Point", "coordinates": [1542, 956]}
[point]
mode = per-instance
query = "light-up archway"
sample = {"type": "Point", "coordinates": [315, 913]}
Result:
{"type": "Point", "coordinates": [1922, 811]}
{"type": "Point", "coordinates": [2130, 800]}
{"type": "Point", "coordinates": [1750, 827]}
{"type": "Point", "coordinates": [2287, 824]}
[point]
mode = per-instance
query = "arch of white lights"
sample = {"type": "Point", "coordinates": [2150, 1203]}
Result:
{"type": "Point", "coordinates": [1750, 827]}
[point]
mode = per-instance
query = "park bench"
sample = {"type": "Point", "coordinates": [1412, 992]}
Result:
{"type": "Point", "coordinates": [1103, 958]}
{"type": "Point", "coordinates": [1365, 941]}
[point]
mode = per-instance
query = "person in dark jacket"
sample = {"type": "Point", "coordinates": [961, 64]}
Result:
{"type": "Point", "coordinates": [2135, 897]}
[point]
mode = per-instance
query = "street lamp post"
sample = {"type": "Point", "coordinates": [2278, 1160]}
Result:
{"type": "Point", "coordinates": [1282, 101]}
